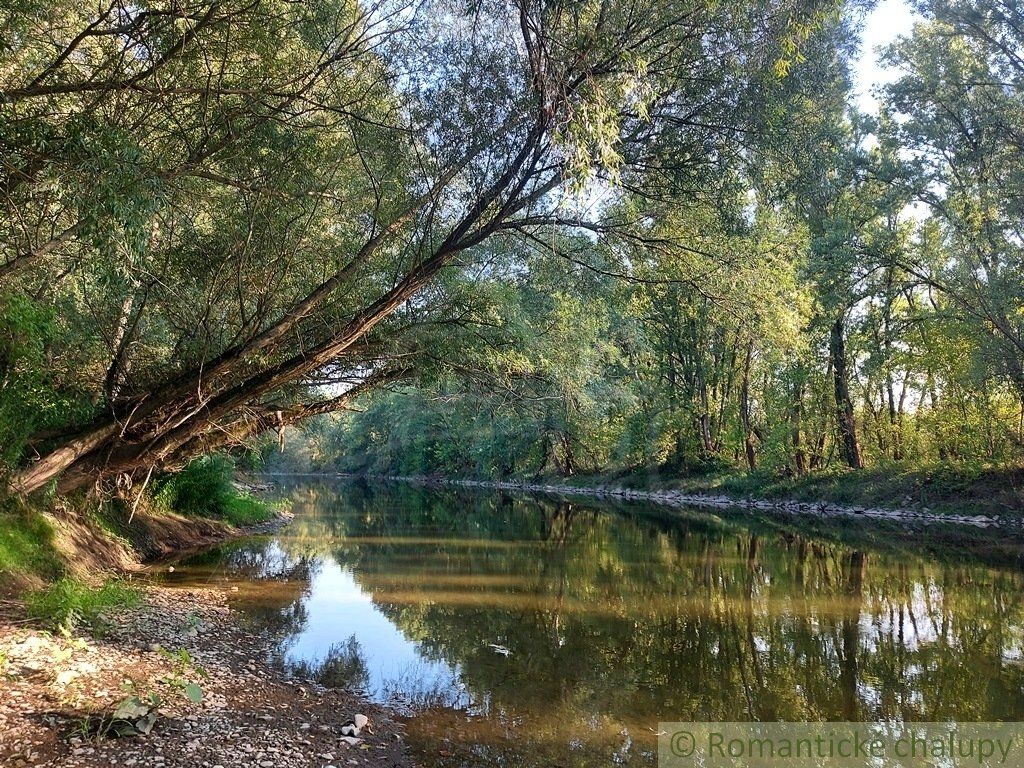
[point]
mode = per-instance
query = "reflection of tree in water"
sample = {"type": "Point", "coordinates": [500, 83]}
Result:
{"type": "Point", "coordinates": [325, 514]}
{"type": "Point", "coordinates": [688, 618]}
{"type": "Point", "coordinates": [273, 585]}
{"type": "Point", "coordinates": [343, 666]}
{"type": "Point", "coordinates": [421, 687]}
{"type": "Point", "coordinates": [614, 621]}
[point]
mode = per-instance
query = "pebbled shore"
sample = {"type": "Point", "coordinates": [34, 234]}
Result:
{"type": "Point", "coordinates": [672, 498]}
{"type": "Point", "coordinates": [249, 715]}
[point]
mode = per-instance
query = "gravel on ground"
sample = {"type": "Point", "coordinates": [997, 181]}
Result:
{"type": "Point", "coordinates": [59, 692]}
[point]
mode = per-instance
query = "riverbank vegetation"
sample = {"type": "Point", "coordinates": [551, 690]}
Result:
{"type": "Point", "coordinates": [524, 237]}
{"type": "Point", "coordinates": [26, 544]}
{"type": "Point", "coordinates": [942, 489]}
{"type": "Point", "coordinates": [839, 319]}
{"type": "Point", "coordinates": [67, 604]}
{"type": "Point", "coordinates": [74, 542]}
{"type": "Point", "coordinates": [205, 488]}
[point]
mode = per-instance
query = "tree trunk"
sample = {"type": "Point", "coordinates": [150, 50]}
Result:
{"type": "Point", "coordinates": [849, 445]}
{"type": "Point", "coordinates": [162, 422]}
{"type": "Point", "coordinates": [796, 422]}
{"type": "Point", "coordinates": [748, 431]}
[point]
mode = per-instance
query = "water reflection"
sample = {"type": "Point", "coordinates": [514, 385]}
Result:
{"type": "Point", "coordinates": [544, 633]}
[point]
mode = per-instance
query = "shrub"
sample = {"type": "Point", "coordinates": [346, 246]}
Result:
{"type": "Point", "coordinates": [204, 489]}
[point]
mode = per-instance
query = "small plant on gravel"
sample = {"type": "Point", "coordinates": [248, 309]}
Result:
{"type": "Point", "coordinates": [67, 605]}
{"type": "Point", "coordinates": [134, 715]}
{"type": "Point", "coordinates": [137, 713]}
{"type": "Point", "coordinates": [183, 668]}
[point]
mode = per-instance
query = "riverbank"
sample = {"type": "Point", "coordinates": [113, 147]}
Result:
{"type": "Point", "coordinates": [102, 667]}
{"type": "Point", "coordinates": [219, 702]}
{"type": "Point", "coordinates": [981, 503]}
{"type": "Point", "coordinates": [76, 537]}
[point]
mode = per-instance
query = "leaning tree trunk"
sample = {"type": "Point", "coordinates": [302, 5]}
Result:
{"type": "Point", "coordinates": [168, 420]}
{"type": "Point", "coordinates": [849, 445]}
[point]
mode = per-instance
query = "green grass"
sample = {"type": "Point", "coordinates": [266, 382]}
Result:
{"type": "Point", "coordinates": [962, 489]}
{"type": "Point", "coordinates": [67, 604]}
{"type": "Point", "coordinates": [204, 489]}
{"type": "Point", "coordinates": [244, 510]}
{"type": "Point", "coordinates": [26, 543]}
{"type": "Point", "coordinates": [110, 517]}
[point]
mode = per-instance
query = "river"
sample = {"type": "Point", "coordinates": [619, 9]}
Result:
{"type": "Point", "coordinates": [532, 631]}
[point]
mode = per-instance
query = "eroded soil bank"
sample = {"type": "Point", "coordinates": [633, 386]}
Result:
{"type": "Point", "coordinates": [57, 690]}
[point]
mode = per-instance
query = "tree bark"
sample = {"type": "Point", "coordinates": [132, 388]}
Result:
{"type": "Point", "coordinates": [849, 444]}
{"type": "Point", "coordinates": [796, 423]}
{"type": "Point", "coordinates": [748, 431]}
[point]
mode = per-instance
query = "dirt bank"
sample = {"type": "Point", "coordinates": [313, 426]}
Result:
{"type": "Point", "coordinates": [91, 543]}
{"type": "Point", "coordinates": [59, 690]}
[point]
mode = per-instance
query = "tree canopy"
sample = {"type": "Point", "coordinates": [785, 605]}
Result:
{"type": "Point", "coordinates": [611, 233]}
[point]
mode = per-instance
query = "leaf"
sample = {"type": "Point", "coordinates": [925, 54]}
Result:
{"type": "Point", "coordinates": [145, 725]}
{"type": "Point", "coordinates": [194, 693]}
{"type": "Point", "coordinates": [130, 709]}
{"type": "Point", "coordinates": [121, 729]}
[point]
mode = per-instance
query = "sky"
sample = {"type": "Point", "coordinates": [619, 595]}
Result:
{"type": "Point", "coordinates": [889, 20]}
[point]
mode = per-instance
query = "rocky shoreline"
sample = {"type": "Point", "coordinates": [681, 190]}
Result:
{"type": "Point", "coordinates": [671, 498]}
{"type": "Point", "coordinates": [60, 692]}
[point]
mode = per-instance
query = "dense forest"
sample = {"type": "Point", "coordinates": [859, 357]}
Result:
{"type": "Point", "coordinates": [847, 291]}
{"type": "Point", "coordinates": [506, 237]}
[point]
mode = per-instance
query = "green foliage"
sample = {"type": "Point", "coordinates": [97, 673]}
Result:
{"type": "Point", "coordinates": [68, 605]}
{"type": "Point", "coordinates": [793, 318]}
{"type": "Point", "coordinates": [245, 510]}
{"type": "Point", "coordinates": [332, 193]}
{"type": "Point", "coordinates": [184, 667]}
{"type": "Point", "coordinates": [204, 489]}
{"type": "Point", "coordinates": [960, 100]}
{"type": "Point", "coordinates": [34, 393]}
{"type": "Point", "coordinates": [945, 488]}
{"type": "Point", "coordinates": [630, 235]}
{"type": "Point", "coordinates": [26, 542]}
{"type": "Point", "coordinates": [135, 715]}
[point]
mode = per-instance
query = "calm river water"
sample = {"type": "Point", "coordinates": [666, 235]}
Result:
{"type": "Point", "coordinates": [534, 632]}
